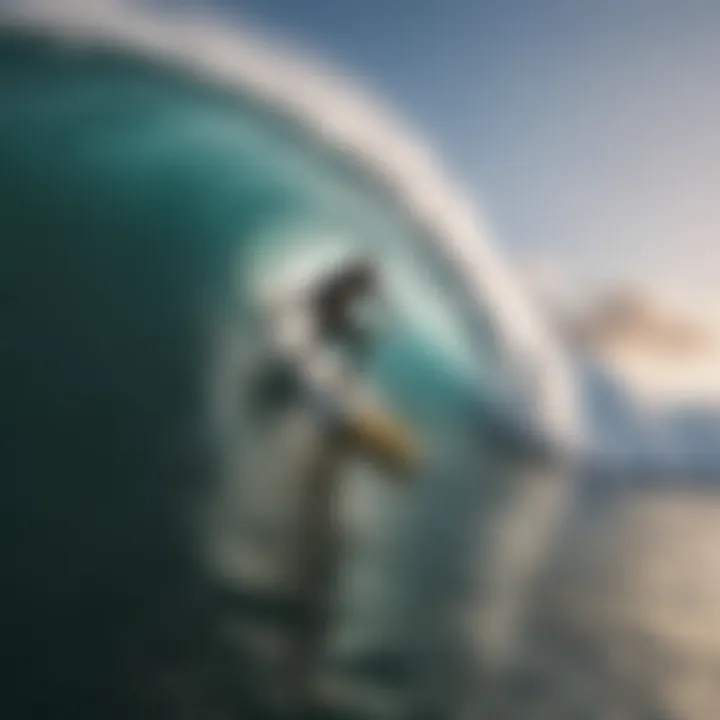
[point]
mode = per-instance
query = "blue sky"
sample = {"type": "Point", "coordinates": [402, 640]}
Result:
{"type": "Point", "coordinates": [589, 130]}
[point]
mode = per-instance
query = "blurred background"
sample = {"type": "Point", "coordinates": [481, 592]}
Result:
{"type": "Point", "coordinates": [587, 135]}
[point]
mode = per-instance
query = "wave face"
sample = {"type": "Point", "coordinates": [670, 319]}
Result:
{"type": "Point", "coordinates": [151, 213]}
{"type": "Point", "coordinates": [340, 114]}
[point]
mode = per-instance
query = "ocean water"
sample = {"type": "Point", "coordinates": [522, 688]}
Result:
{"type": "Point", "coordinates": [146, 216]}
{"type": "Point", "coordinates": [625, 620]}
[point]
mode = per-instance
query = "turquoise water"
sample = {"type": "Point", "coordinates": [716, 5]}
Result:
{"type": "Point", "coordinates": [144, 215]}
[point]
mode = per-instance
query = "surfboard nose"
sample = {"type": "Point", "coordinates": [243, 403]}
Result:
{"type": "Point", "coordinates": [384, 437]}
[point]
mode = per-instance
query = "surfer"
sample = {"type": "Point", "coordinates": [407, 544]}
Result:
{"type": "Point", "coordinates": [326, 316]}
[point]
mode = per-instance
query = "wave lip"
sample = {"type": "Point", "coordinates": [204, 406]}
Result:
{"type": "Point", "coordinates": [334, 109]}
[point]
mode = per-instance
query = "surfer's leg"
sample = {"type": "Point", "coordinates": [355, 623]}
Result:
{"type": "Point", "coordinates": [317, 561]}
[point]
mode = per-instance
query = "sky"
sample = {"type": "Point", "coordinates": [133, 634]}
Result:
{"type": "Point", "coordinates": [587, 130]}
